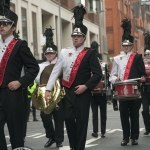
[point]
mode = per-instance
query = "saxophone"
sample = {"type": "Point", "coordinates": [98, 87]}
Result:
{"type": "Point", "coordinates": [38, 96]}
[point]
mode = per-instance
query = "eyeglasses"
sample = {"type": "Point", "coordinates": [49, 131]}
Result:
{"type": "Point", "coordinates": [5, 24]}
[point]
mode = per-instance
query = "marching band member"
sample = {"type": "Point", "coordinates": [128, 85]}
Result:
{"type": "Point", "coordinates": [99, 98]}
{"type": "Point", "coordinates": [146, 87]}
{"type": "Point", "coordinates": [54, 132]}
{"type": "Point", "coordinates": [14, 54]}
{"type": "Point", "coordinates": [77, 63]}
{"type": "Point", "coordinates": [121, 70]}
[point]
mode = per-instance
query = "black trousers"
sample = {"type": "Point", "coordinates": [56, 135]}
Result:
{"type": "Point", "coordinates": [54, 130]}
{"type": "Point", "coordinates": [33, 110]}
{"type": "Point", "coordinates": [12, 113]}
{"type": "Point", "coordinates": [145, 112]}
{"type": "Point", "coordinates": [101, 102]}
{"type": "Point", "coordinates": [25, 111]}
{"type": "Point", "coordinates": [76, 109]}
{"type": "Point", "coordinates": [129, 114]}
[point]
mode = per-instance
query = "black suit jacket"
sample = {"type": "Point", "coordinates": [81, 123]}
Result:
{"type": "Point", "coordinates": [137, 68]}
{"type": "Point", "coordinates": [20, 56]}
{"type": "Point", "coordinates": [89, 65]}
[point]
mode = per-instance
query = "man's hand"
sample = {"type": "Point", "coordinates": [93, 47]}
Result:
{"type": "Point", "coordinates": [80, 89]}
{"type": "Point", "coordinates": [47, 96]}
{"type": "Point", "coordinates": [117, 79]}
{"type": "Point", "coordinates": [14, 85]}
{"type": "Point", "coordinates": [142, 79]}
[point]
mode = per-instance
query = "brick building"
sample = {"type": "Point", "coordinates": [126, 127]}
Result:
{"type": "Point", "coordinates": [34, 16]}
{"type": "Point", "coordinates": [139, 16]}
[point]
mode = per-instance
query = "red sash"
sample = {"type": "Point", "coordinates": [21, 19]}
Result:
{"type": "Point", "coordinates": [5, 58]}
{"type": "Point", "coordinates": [128, 67]}
{"type": "Point", "coordinates": [74, 69]}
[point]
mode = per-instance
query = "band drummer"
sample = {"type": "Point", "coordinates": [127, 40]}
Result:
{"type": "Point", "coordinates": [121, 70]}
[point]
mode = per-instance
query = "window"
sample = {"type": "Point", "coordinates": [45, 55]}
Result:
{"type": "Point", "coordinates": [92, 6]}
{"type": "Point", "coordinates": [80, 2]}
{"type": "Point", "coordinates": [12, 7]}
{"type": "Point", "coordinates": [24, 24]}
{"type": "Point", "coordinates": [34, 29]}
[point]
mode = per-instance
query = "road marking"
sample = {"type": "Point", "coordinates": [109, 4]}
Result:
{"type": "Point", "coordinates": [34, 135]}
{"type": "Point", "coordinates": [91, 145]}
{"type": "Point", "coordinates": [114, 130]}
{"type": "Point", "coordinates": [64, 148]}
{"type": "Point", "coordinates": [7, 136]}
{"type": "Point", "coordinates": [92, 140]}
{"type": "Point", "coordinates": [87, 142]}
{"type": "Point", "coordinates": [141, 129]}
{"type": "Point", "coordinates": [39, 136]}
{"type": "Point", "coordinates": [100, 132]}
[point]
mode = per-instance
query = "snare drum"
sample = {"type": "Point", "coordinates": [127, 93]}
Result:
{"type": "Point", "coordinates": [126, 90]}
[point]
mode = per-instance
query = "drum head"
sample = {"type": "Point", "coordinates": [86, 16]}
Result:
{"type": "Point", "coordinates": [125, 82]}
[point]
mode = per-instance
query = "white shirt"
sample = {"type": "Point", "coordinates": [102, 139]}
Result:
{"type": "Point", "coordinates": [119, 66]}
{"type": "Point", "coordinates": [3, 45]}
{"type": "Point", "coordinates": [65, 63]}
{"type": "Point", "coordinates": [42, 66]}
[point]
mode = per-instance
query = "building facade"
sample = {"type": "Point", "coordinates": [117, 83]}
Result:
{"type": "Point", "coordinates": [140, 19]}
{"type": "Point", "coordinates": [34, 16]}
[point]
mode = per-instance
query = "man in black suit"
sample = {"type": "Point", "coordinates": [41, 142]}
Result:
{"type": "Point", "coordinates": [121, 70]}
{"type": "Point", "coordinates": [77, 63]}
{"type": "Point", "coordinates": [14, 54]}
{"type": "Point", "coordinates": [99, 99]}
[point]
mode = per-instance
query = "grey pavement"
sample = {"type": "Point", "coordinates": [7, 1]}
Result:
{"type": "Point", "coordinates": [36, 135]}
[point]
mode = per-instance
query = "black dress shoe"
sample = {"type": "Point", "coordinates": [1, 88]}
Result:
{"type": "Point", "coordinates": [134, 142]}
{"type": "Point", "coordinates": [95, 134]}
{"type": "Point", "coordinates": [124, 142]}
{"type": "Point", "coordinates": [147, 132]}
{"type": "Point", "coordinates": [59, 144]}
{"type": "Point", "coordinates": [103, 135]}
{"type": "Point", "coordinates": [49, 143]}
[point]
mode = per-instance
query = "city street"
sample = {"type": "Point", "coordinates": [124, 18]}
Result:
{"type": "Point", "coordinates": [36, 135]}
